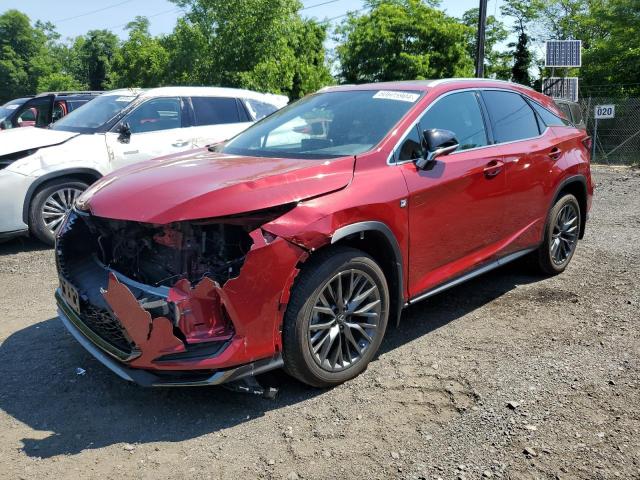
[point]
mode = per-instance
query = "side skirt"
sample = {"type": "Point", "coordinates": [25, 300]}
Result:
{"type": "Point", "coordinates": [468, 276]}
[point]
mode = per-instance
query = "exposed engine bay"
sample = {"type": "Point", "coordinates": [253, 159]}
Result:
{"type": "Point", "coordinates": [162, 255]}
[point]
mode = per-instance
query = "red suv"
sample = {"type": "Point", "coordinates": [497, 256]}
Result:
{"type": "Point", "coordinates": [295, 243]}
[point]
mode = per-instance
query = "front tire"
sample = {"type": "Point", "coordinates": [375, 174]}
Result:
{"type": "Point", "coordinates": [560, 237]}
{"type": "Point", "coordinates": [336, 317]}
{"type": "Point", "coordinates": [49, 205]}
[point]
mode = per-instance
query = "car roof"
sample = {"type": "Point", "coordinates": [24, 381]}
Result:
{"type": "Point", "coordinates": [424, 85]}
{"type": "Point", "coordinates": [20, 100]}
{"type": "Point", "coordinates": [448, 84]}
{"type": "Point", "coordinates": [278, 100]}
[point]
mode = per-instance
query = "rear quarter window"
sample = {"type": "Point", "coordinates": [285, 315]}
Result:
{"type": "Point", "coordinates": [511, 116]}
{"type": "Point", "coordinates": [216, 110]}
{"type": "Point", "coordinates": [576, 113]}
{"type": "Point", "coordinates": [548, 118]}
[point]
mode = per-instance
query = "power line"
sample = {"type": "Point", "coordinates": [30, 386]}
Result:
{"type": "Point", "coordinates": [93, 11]}
{"type": "Point", "coordinates": [172, 10]}
{"type": "Point", "coordinates": [329, 20]}
{"type": "Point", "coordinates": [318, 5]}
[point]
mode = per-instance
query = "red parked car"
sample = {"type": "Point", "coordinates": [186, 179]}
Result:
{"type": "Point", "coordinates": [296, 247]}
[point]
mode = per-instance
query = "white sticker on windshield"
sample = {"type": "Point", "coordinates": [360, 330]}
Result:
{"type": "Point", "coordinates": [11, 107]}
{"type": "Point", "coordinates": [400, 96]}
{"type": "Point", "coordinates": [124, 99]}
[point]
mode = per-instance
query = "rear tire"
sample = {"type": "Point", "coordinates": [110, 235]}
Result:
{"type": "Point", "coordinates": [560, 236]}
{"type": "Point", "coordinates": [336, 317]}
{"type": "Point", "coordinates": [49, 204]}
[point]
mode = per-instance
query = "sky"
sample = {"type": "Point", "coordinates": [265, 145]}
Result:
{"type": "Point", "coordinates": [76, 17]}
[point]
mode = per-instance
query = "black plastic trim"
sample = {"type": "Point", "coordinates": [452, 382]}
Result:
{"type": "Point", "coordinates": [363, 227]}
{"type": "Point", "coordinates": [582, 180]}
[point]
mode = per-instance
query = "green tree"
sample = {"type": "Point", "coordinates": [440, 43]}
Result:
{"type": "Point", "coordinates": [141, 61]}
{"type": "Point", "coordinates": [22, 54]}
{"type": "Point", "coordinates": [95, 52]}
{"type": "Point", "coordinates": [524, 13]}
{"type": "Point", "coordinates": [402, 39]}
{"type": "Point", "coordinates": [497, 63]}
{"type": "Point", "coordinates": [610, 34]}
{"type": "Point", "coordinates": [253, 44]}
{"type": "Point", "coordinates": [58, 81]}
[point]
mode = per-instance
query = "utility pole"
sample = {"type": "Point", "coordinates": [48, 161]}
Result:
{"type": "Point", "coordinates": [482, 27]}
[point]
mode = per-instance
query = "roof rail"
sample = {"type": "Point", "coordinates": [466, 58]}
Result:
{"type": "Point", "coordinates": [473, 79]}
{"type": "Point", "coordinates": [79, 92]}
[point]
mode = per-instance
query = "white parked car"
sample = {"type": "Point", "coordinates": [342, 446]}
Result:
{"type": "Point", "coordinates": [42, 171]}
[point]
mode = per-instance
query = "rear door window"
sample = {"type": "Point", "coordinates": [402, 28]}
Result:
{"type": "Point", "coordinates": [511, 116]}
{"type": "Point", "coordinates": [216, 111]}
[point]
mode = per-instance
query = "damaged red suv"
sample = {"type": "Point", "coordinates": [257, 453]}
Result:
{"type": "Point", "coordinates": [297, 242]}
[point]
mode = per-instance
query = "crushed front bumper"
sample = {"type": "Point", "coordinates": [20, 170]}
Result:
{"type": "Point", "coordinates": [110, 357]}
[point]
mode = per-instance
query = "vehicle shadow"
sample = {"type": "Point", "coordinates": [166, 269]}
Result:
{"type": "Point", "coordinates": [21, 244]}
{"type": "Point", "coordinates": [42, 389]}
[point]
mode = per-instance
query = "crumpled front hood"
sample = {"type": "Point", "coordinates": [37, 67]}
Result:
{"type": "Point", "coordinates": [201, 184]}
{"type": "Point", "coordinates": [28, 138]}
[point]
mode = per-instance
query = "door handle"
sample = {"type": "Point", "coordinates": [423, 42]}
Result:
{"type": "Point", "coordinates": [180, 143]}
{"type": "Point", "coordinates": [555, 153]}
{"type": "Point", "coordinates": [493, 168]}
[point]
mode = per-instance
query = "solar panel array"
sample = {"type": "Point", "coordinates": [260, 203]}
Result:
{"type": "Point", "coordinates": [565, 88]}
{"type": "Point", "coordinates": [563, 53]}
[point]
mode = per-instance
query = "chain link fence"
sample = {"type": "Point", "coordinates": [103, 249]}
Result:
{"type": "Point", "coordinates": [618, 139]}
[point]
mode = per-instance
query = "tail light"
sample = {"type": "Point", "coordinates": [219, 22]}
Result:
{"type": "Point", "coordinates": [587, 142]}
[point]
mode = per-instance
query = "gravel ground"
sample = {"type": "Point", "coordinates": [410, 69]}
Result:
{"type": "Point", "coordinates": [508, 376]}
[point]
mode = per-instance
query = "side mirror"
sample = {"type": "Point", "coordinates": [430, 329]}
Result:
{"type": "Point", "coordinates": [438, 142]}
{"type": "Point", "coordinates": [124, 132]}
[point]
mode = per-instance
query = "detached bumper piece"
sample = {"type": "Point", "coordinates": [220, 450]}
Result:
{"type": "Point", "coordinates": [97, 347]}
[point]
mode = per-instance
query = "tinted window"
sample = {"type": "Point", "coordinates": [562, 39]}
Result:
{"type": "Point", "coordinates": [73, 104]}
{"type": "Point", "coordinates": [460, 113]}
{"type": "Point", "coordinates": [156, 114]}
{"type": "Point", "coordinates": [548, 118]}
{"type": "Point", "coordinates": [411, 148]}
{"type": "Point", "coordinates": [214, 111]}
{"type": "Point", "coordinates": [576, 114]}
{"type": "Point", "coordinates": [259, 109]}
{"type": "Point", "coordinates": [512, 117]}
{"type": "Point", "coordinates": [565, 109]}
{"type": "Point", "coordinates": [326, 125]}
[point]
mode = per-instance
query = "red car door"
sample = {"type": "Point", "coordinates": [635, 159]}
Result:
{"type": "Point", "coordinates": [529, 153]}
{"type": "Point", "coordinates": [456, 205]}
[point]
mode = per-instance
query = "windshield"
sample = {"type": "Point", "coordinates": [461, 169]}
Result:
{"type": "Point", "coordinates": [9, 107]}
{"type": "Point", "coordinates": [90, 117]}
{"type": "Point", "coordinates": [326, 125]}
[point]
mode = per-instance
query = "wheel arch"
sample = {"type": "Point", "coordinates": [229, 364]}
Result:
{"type": "Point", "coordinates": [576, 185]}
{"type": "Point", "coordinates": [87, 175]}
{"type": "Point", "coordinates": [376, 239]}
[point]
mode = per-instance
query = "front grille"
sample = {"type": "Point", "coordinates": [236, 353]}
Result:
{"type": "Point", "coordinates": [106, 326]}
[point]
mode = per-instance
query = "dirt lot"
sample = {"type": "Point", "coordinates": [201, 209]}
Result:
{"type": "Point", "coordinates": [509, 376]}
